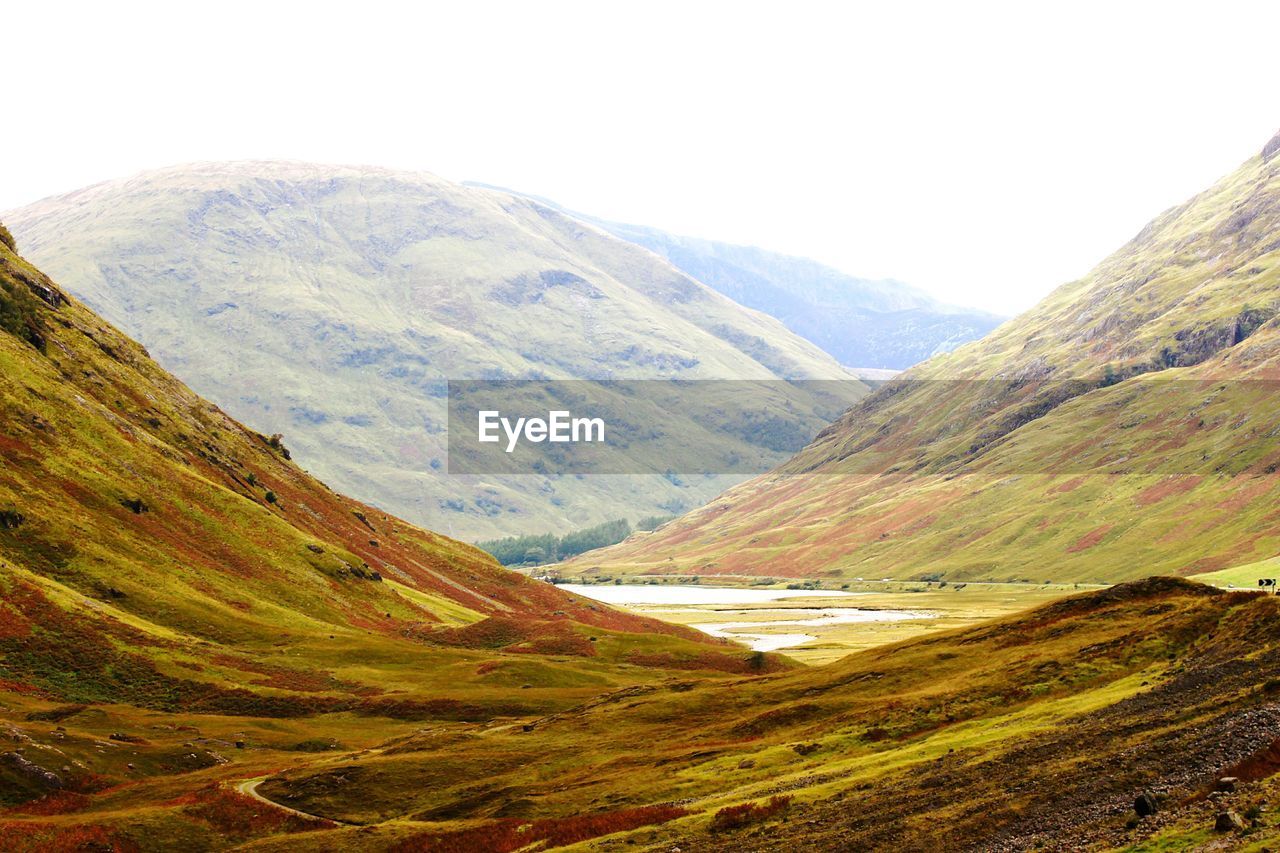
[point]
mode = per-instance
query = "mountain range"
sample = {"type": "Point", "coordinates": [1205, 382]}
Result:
{"type": "Point", "coordinates": [1125, 425]}
{"type": "Point", "coordinates": [867, 324]}
{"type": "Point", "coordinates": [332, 304]}
{"type": "Point", "coordinates": [203, 647]}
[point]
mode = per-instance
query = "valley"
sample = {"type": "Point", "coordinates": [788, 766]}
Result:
{"type": "Point", "coordinates": [818, 626]}
{"type": "Point", "coordinates": [1006, 600]}
{"type": "Point", "coordinates": [1123, 427]}
{"type": "Point", "coordinates": [353, 296]}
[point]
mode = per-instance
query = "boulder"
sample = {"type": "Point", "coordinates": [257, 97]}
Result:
{"type": "Point", "coordinates": [1227, 784]}
{"type": "Point", "coordinates": [34, 772]}
{"type": "Point", "coordinates": [1228, 822]}
{"type": "Point", "coordinates": [1146, 804]}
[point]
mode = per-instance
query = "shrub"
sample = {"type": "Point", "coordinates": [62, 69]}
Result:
{"type": "Point", "coordinates": [549, 548]}
{"type": "Point", "coordinates": [20, 315]}
{"type": "Point", "coordinates": [61, 802]}
{"type": "Point", "coordinates": [240, 816]}
{"type": "Point", "coordinates": [504, 836]}
{"type": "Point", "coordinates": [276, 443]}
{"type": "Point", "coordinates": [736, 817]}
{"type": "Point", "coordinates": [316, 745]}
{"type": "Point", "coordinates": [6, 237]}
{"type": "Point", "coordinates": [271, 497]}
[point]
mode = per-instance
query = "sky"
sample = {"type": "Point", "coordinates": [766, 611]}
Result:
{"type": "Point", "coordinates": [986, 152]}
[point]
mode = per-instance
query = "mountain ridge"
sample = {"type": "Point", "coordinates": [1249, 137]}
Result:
{"type": "Point", "coordinates": [874, 324]}
{"type": "Point", "coordinates": [353, 294]}
{"type": "Point", "coordinates": [1068, 444]}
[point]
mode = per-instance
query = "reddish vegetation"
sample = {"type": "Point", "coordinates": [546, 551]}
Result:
{"type": "Point", "coordinates": [13, 626]}
{"type": "Point", "coordinates": [1175, 485]}
{"type": "Point", "coordinates": [736, 817]}
{"type": "Point", "coordinates": [235, 814]}
{"type": "Point", "coordinates": [510, 834]}
{"type": "Point", "coordinates": [1246, 495]}
{"type": "Point", "coordinates": [63, 802]}
{"type": "Point", "coordinates": [737, 664]}
{"type": "Point", "coordinates": [1262, 764]}
{"type": "Point", "coordinates": [48, 838]}
{"type": "Point", "coordinates": [1090, 539]}
{"type": "Point", "coordinates": [1069, 486]}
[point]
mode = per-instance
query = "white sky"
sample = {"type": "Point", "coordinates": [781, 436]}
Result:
{"type": "Point", "coordinates": [986, 152]}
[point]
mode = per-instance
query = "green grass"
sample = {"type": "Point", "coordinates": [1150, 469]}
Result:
{"type": "Point", "coordinates": [1057, 468]}
{"type": "Point", "coordinates": [1244, 577]}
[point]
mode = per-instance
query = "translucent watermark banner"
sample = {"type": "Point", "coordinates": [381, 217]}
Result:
{"type": "Point", "coordinates": [690, 428]}
{"type": "Point", "coordinates": [667, 427]}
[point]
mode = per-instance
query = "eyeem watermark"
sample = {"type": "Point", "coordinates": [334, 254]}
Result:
{"type": "Point", "coordinates": [682, 429]}
{"type": "Point", "coordinates": [558, 427]}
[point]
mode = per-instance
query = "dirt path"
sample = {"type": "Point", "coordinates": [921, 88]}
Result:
{"type": "Point", "coordinates": [249, 787]}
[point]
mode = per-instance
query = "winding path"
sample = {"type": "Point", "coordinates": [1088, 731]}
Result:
{"type": "Point", "coordinates": [249, 787]}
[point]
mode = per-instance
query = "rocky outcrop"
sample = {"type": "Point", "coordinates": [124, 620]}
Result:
{"type": "Point", "coordinates": [1272, 148]}
{"type": "Point", "coordinates": [32, 771]}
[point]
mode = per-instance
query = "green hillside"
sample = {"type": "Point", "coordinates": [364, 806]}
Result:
{"type": "Point", "coordinates": [1038, 729]}
{"type": "Point", "coordinates": [172, 584]}
{"type": "Point", "coordinates": [1124, 425]}
{"type": "Point", "coordinates": [331, 304]}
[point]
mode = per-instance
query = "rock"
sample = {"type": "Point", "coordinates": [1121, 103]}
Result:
{"type": "Point", "coordinates": [1146, 805]}
{"type": "Point", "coordinates": [1227, 784]}
{"type": "Point", "coordinates": [1272, 148]}
{"type": "Point", "coordinates": [1228, 822]}
{"type": "Point", "coordinates": [239, 744]}
{"type": "Point", "coordinates": [746, 764]}
{"type": "Point", "coordinates": [31, 770]}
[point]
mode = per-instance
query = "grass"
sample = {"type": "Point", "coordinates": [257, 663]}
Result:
{"type": "Point", "coordinates": [357, 392]}
{"type": "Point", "coordinates": [151, 590]}
{"type": "Point", "coordinates": [945, 607]}
{"type": "Point", "coordinates": [1244, 577]}
{"type": "Point", "coordinates": [1120, 428]}
{"type": "Point", "coordinates": [954, 702]}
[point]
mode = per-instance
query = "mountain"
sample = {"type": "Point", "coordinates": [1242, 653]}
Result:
{"type": "Point", "coordinates": [1040, 730]}
{"type": "Point", "coordinates": [331, 304]}
{"type": "Point", "coordinates": [863, 323]}
{"type": "Point", "coordinates": [1124, 425]}
{"type": "Point", "coordinates": [158, 558]}
{"type": "Point", "coordinates": [202, 647]}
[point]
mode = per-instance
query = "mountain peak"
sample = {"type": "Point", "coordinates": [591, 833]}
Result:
{"type": "Point", "coordinates": [1271, 149]}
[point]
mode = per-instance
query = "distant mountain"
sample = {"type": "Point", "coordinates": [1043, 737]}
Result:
{"type": "Point", "coordinates": [155, 552]}
{"type": "Point", "coordinates": [1125, 425]}
{"type": "Point", "coordinates": [331, 304]}
{"type": "Point", "coordinates": [864, 323]}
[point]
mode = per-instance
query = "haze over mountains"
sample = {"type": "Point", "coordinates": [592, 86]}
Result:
{"type": "Point", "coordinates": [349, 295]}
{"type": "Point", "coordinates": [203, 647]}
{"type": "Point", "coordinates": [864, 323]}
{"type": "Point", "coordinates": [1127, 424]}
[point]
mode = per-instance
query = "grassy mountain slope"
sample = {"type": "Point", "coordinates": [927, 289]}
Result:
{"type": "Point", "coordinates": [1126, 424]}
{"type": "Point", "coordinates": [331, 304]}
{"type": "Point", "coordinates": [163, 568]}
{"type": "Point", "coordinates": [1039, 728]}
{"type": "Point", "coordinates": [864, 323]}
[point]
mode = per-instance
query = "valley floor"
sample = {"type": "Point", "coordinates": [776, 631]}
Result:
{"type": "Point", "coordinates": [1030, 731]}
{"type": "Point", "coordinates": [937, 607]}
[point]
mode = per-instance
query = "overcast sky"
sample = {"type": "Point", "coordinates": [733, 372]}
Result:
{"type": "Point", "coordinates": [986, 152]}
